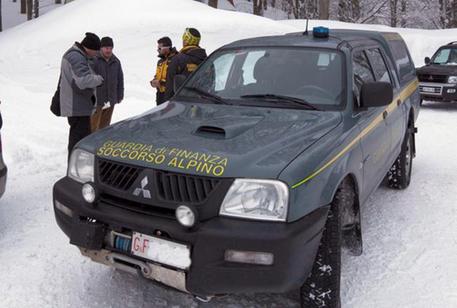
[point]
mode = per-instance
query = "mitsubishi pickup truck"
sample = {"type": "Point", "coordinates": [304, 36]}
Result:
{"type": "Point", "coordinates": [438, 78]}
{"type": "Point", "coordinates": [252, 177]}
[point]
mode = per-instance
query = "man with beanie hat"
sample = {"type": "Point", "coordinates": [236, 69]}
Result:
{"type": "Point", "coordinates": [111, 92]}
{"type": "Point", "coordinates": [77, 87]}
{"type": "Point", "coordinates": [186, 61]}
{"type": "Point", "coordinates": [166, 53]}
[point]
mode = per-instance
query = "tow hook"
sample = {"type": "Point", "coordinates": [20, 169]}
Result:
{"type": "Point", "coordinates": [205, 299]}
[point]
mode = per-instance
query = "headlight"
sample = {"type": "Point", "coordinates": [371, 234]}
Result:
{"type": "Point", "coordinates": [452, 79]}
{"type": "Point", "coordinates": [81, 166]}
{"type": "Point", "coordinates": [256, 199]}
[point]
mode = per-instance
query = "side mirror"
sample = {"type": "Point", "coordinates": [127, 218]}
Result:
{"type": "Point", "coordinates": [427, 60]}
{"type": "Point", "coordinates": [376, 94]}
{"type": "Point", "coordinates": [178, 82]}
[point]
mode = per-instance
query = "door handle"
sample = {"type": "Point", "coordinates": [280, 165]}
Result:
{"type": "Point", "coordinates": [385, 114]}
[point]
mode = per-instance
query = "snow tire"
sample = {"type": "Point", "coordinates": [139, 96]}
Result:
{"type": "Point", "coordinates": [322, 288]}
{"type": "Point", "coordinates": [399, 175]}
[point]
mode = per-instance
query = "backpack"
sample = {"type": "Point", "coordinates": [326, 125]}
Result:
{"type": "Point", "coordinates": [55, 102]}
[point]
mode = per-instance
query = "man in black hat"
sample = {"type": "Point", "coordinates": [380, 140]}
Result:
{"type": "Point", "coordinates": [77, 87]}
{"type": "Point", "coordinates": [111, 92]}
{"type": "Point", "coordinates": [166, 53]}
{"type": "Point", "coordinates": [186, 61]}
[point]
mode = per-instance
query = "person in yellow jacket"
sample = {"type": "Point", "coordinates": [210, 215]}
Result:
{"type": "Point", "coordinates": [186, 61]}
{"type": "Point", "coordinates": [166, 53]}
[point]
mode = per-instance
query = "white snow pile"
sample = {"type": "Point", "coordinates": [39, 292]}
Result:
{"type": "Point", "coordinates": [409, 236]}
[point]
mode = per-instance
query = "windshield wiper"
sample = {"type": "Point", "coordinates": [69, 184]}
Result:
{"type": "Point", "coordinates": [289, 99]}
{"type": "Point", "coordinates": [215, 98]}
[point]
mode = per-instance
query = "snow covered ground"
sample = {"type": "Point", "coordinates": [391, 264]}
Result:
{"type": "Point", "coordinates": [12, 16]}
{"type": "Point", "coordinates": [409, 236]}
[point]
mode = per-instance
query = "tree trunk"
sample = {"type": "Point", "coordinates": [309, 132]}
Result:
{"type": "Point", "coordinates": [58, 1]}
{"type": "Point", "coordinates": [23, 7]}
{"type": "Point", "coordinates": [404, 8]}
{"type": "Point", "coordinates": [36, 8]}
{"type": "Point", "coordinates": [29, 9]}
{"type": "Point", "coordinates": [324, 9]}
{"type": "Point", "coordinates": [444, 21]}
{"type": "Point", "coordinates": [1, 27]}
{"type": "Point", "coordinates": [257, 7]}
{"type": "Point", "coordinates": [212, 3]}
{"type": "Point", "coordinates": [393, 13]}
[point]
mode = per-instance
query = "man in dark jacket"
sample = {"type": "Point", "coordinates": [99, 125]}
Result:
{"type": "Point", "coordinates": [77, 87]}
{"type": "Point", "coordinates": [186, 61]}
{"type": "Point", "coordinates": [166, 54]}
{"type": "Point", "coordinates": [111, 92]}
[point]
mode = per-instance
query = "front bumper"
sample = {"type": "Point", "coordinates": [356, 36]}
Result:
{"type": "Point", "coordinates": [438, 91]}
{"type": "Point", "coordinates": [294, 245]}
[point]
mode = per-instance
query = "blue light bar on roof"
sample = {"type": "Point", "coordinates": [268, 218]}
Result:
{"type": "Point", "coordinates": [321, 32]}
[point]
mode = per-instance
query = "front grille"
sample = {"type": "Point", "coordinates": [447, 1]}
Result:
{"type": "Point", "coordinates": [117, 175]}
{"type": "Point", "coordinates": [168, 186]}
{"type": "Point", "coordinates": [433, 78]}
{"type": "Point", "coordinates": [137, 207]}
{"type": "Point", "coordinates": [183, 188]}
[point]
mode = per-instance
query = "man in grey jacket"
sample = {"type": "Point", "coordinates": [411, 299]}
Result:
{"type": "Point", "coordinates": [107, 65]}
{"type": "Point", "coordinates": [77, 87]}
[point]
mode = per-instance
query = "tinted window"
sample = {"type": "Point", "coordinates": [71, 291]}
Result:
{"type": "Point", "coordinates": [312, 75]}
{"type": "Point", "coordinates": [379, 65]}
{"type": "Point", "coordinates": [362, 73]}
{"type": "Point", "coordinates": [405, 66]}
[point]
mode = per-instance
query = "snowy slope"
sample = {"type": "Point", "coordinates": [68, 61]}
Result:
{"type": "Point", "coordinates": [410, 244]}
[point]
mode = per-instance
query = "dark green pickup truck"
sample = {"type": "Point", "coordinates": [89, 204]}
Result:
{"type": "Point", "coordinates": [251, 179]}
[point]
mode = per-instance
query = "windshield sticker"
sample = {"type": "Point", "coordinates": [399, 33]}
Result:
{"type": "Point", "coordinates": [207, 164]}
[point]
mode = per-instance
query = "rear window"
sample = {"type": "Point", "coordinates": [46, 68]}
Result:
{"type": "Point", "coordinates": [403, 62]}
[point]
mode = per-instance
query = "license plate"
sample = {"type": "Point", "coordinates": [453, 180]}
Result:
{"type": "Point", "coordinates": [429, 90]}
{"type": "Point", "coordinates": [160, 250]}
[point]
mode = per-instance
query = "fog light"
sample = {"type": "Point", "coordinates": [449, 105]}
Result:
{"type": "Point", "coordinates": [451, 90]}
{"type": "Point", "coordinates": [251, 257]}
{"type": "Point", "coordinates": [185, 215]}
{"type": "Point", "coordinates": [63, 208]}
{"type": "Point", "coordinates": [89, 193]}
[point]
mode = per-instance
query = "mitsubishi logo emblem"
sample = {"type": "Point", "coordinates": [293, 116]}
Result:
{"type": "Point", "coordinates": [146, 193]}
{"type": "Point", "coordinates": [430, 78]}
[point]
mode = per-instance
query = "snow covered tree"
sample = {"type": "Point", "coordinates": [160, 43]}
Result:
{"type": "Point", "coordinates": [349, 10]}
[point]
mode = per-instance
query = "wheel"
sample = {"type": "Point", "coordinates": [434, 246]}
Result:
{"type": "Point", "coordinates": [322, 288]}
{"type": "Point", "coordinates": [399, 175]}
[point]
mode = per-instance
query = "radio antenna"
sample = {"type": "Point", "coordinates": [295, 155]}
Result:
{"type": "Point", "coordinates": [306, 31]}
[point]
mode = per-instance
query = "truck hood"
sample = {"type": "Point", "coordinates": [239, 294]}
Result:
{"type": "Point", "coordinates": [436, 69]}
{"type": "Point", "coordinates": [213, 140]}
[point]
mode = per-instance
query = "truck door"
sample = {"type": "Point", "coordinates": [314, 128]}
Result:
{"type": "Point", "coordinates": [376, 137]}
{"type": "Point", "coordinates": [395, 117]}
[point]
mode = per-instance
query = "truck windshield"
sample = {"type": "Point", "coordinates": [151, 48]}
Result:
{"type": "Point", "coordinates": [302, 78]}
{"type": "Point", "coordinates": [445, 56]}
